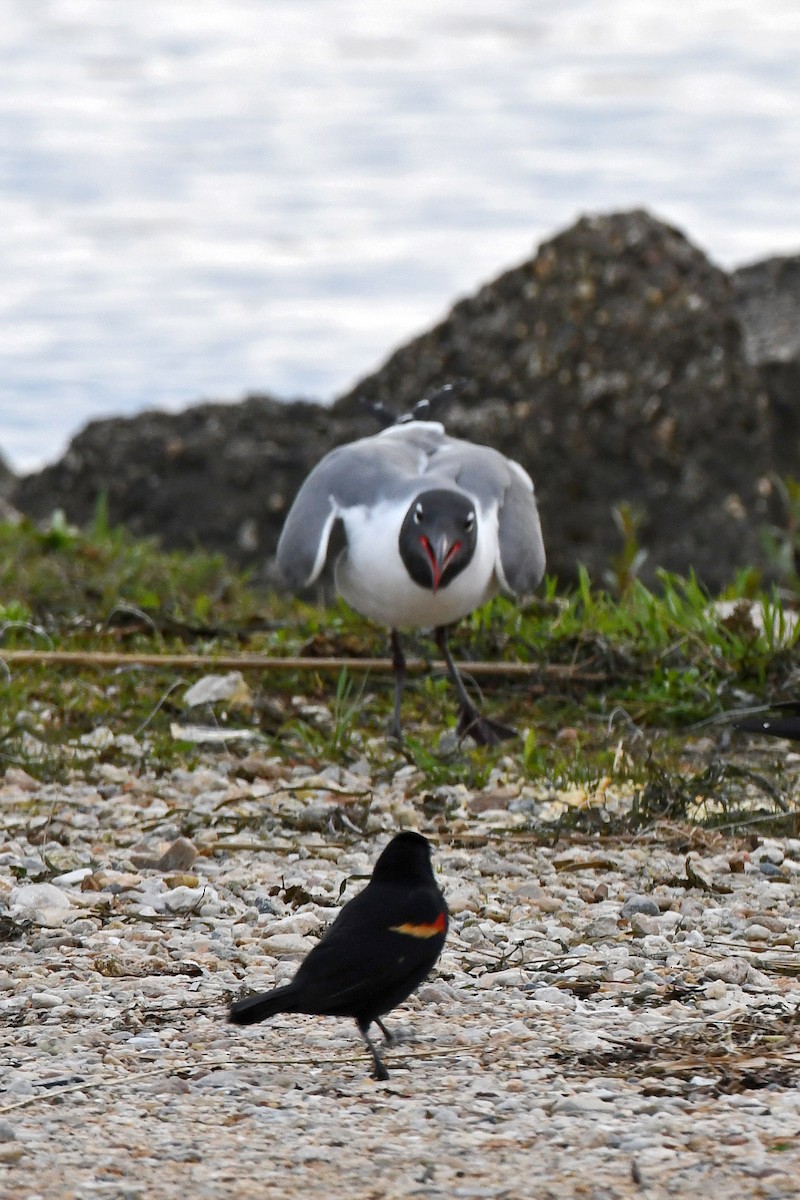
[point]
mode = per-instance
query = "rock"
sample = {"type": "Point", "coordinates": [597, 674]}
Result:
{"type": "Point", "coordinates": [45, 1000]}
{"type": "Point", "coordinates": [211, 689]}
{"type": "Point", "coordinates": [768, 852]}
{"type": "Point", "coordinates": [767, 303]}
{"type": "Point", "coordinates": [584, 1102]}
{"type": "Point", "coordinates": [114, 882]}
{"type": "Point", "coordinates": [99, 738]}
{"type": "Point", "coordinates": [216, 475]}
{"type": "Point", "coordinates": [287, 943]}
{"type": "Point", "coordinates": [618, 365]}
{"type": "Point", "coordinates": [772, 871]}
{"type": "Point", "coordinates": [177, 857]}
{"type": "Point", "coordinates": [639, 904]}
{"type": "Point", "coordinates": [41, 903]}
{"type": "Point", "coordinates": [729, 970]}
{"type": "Point", "coordinates": [644, 926]}
{"type": "Point", "coordinates": [183, 899]}
{"type": "Point", "coordinates": [601, 929]}
{"type": "Point", "coordinates": [511, 977]}
{"type": "Point", "coordinates": [757, 933]}
{"type": "Point", "coordinates": [553, 996]}
{"type": "Point", "coordinates": [17, 777]}
{"type": "Point", "coordinates": [300, 923]}
{"type": "Point", "coordinates": [463, 899]}
{"type": "Point", "coordinates": [70, 877]}
{"type": "Point", "coordinates": [604, 365]}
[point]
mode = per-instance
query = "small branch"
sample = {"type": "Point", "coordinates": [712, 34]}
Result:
{"type": "Point", "coordinates": [265, 662]}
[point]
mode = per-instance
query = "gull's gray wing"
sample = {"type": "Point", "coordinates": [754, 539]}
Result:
{"type": "Point", "coordinates": [522, 557]}
{"type": "Point", "coordinates": [495, 480]}
{"type": "Point", "coordinates": [368, 471]}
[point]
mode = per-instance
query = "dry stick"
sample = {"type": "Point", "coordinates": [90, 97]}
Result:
{"type": "Point", "coordinates": [265, 662]}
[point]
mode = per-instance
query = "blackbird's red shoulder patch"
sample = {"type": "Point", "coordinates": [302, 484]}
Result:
{"type": "Point", "coordinates": [427, 930]}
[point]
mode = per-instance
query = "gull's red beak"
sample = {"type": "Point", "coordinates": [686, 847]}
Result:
{"type": "Point", "coordinates": [439, 553]}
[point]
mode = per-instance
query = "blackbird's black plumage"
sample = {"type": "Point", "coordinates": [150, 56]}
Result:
{"type": "Point", "coordinates": [381, 946]}
{"type": "Point", "coordinates": [775, 720]}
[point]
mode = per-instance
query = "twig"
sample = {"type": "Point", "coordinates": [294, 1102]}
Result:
{"type": "Point", "coordinates": [266, 662]}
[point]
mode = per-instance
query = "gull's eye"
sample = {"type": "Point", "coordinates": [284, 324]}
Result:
{"type": "Point", "coordinates": [418, 514]}
{"type": "Point", "coordinates": [469, 524]}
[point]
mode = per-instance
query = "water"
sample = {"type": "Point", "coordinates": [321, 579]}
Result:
{"type": "Point", "coordinates": [201, 200]}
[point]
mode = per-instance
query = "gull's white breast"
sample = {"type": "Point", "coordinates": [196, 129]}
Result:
{"type": "Point", "coordinates": [372, 577]}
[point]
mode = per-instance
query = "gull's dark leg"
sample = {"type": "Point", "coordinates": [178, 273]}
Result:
{"type": "Point", "coordinates": [399, 664]}
{"type": "Point", "coordinates": [388, 1037]}
{"type": "Point", "coordinates": [380, 1069]}
{"type": "Point", "coordinates": [482, 731]}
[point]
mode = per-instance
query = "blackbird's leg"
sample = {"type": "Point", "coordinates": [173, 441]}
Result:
{"type": "Point", "coordinates": [389, 1038]}
{"type": "Point", "coordinates": [380, 1068]}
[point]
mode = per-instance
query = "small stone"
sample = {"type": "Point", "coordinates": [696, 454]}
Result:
{"type": "Point", "coordinates": [487, 802]}
{"type": "Point", "coordinates": [644, 926]}
{"type": "Point", "coordinates": [300, 923]}
{"type": "Point", "coordinates": [213, 688]}
{"type": "Point", "coordinates": [464, 899]}
{"type": "Point", "coordinates": [41, 903]}
{"type": "Point", "coordinates": [512, 977]}
{"type": "Point", "coordinates": [769, 852]}
{"type": "Point", "coordinates": [114, 882]}
{"type": "Point", "coordinates": [98, 739]}
{"type": "Point", "coordinates": [45, 1000]}
{"type": "Point", "coordinates": [655, 946]}
{"type": "Point", "coordinates": [692, 938]}
{"type": "Point", "coordinates": [7, 1133]}
{"type": "Point", "coordinates": [772, 871]}
{"type": "Point", "coordinates": [730, 970]}
{"type": "Point", "coordinates": [183, 899]}
{"type": "Point", "coordinates": [16, 777]}
{"type": "Point", "coordinates": [645, 905]}
{"type": "Point", "coordinates": [583, 1102]}
{"type": "Point", "coordinates": [179, 856]}
{"type": "Point", "coordinates": [554, 996]}
{"type": "Point", "coordinates": [757, 933]}
{"type": "Point", "coordinates": [71, 877]}
{"type": "Point", "coordinates": [182, 879]}
{"type": "Point", "coordinates": [288, 943]}
{"type": "Point", "coordinates": [601, 929]}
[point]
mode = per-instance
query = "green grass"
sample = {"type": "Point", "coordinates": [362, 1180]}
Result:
{"type": "Point", "coordinates": [622, 677]}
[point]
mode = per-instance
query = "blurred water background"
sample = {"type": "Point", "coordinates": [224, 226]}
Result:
{"type": "Point", "coordinates": [199, 200]}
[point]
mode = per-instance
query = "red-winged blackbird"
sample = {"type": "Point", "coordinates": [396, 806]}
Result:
{"type": "Point", "coordinates": [381, 946]}
{"type": "Point", "coordinates": [782, 720]}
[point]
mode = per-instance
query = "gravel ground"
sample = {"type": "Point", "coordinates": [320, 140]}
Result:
{"type": "Point", "coordinates": [608, 1019]}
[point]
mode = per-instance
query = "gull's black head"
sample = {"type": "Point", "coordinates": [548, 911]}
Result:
{"type": "Point", "coordinates": [438, 537]}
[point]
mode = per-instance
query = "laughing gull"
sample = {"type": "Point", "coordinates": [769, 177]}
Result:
{"type": "Point", "coordinates": [433, 528]}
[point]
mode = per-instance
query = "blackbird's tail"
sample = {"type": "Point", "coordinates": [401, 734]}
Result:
{"type": "Point", "coordinates": [262, 1006]}
{"type": "Point", "coordinates": [781, 727]}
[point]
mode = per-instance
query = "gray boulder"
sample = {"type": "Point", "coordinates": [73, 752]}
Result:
{"type": "Point", "coordinates": [618, 365]}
